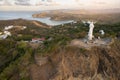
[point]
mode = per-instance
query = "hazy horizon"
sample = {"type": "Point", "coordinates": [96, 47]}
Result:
{"type": "Point", "coordinates": [16, 5]}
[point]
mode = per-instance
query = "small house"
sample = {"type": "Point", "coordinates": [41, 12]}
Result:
{"type": "Point", "coordinates": [5, 35]}
{"type": "Point", "coordinates": [24, 27]}
{"type": "Point", "coordinates": [9, 27]}
{"type": "Point", "coordinates": [102, 32]}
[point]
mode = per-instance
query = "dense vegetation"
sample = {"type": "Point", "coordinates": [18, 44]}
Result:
{"type": "Point", "coordinates": [15, 58]}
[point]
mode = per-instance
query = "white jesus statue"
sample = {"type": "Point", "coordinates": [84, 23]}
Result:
{"type": "Point", "coordinates": [90, 33]}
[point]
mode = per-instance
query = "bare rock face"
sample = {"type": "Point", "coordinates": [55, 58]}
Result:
{"type": "Point", "coordinates": [73, 63]}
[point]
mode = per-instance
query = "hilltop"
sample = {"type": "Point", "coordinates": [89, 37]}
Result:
{"type": "Point", "coordinates": [23, 22]}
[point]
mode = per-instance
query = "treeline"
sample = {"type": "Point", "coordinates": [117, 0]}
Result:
{"type": "Point", "coordinates": [15, 58]}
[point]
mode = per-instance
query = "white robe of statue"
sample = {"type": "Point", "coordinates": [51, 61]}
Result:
{"type": "Point", "coordinates": [90, 33]}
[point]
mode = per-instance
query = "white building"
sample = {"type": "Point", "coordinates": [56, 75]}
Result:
{"type": "Point", "coordinates": [102, 32]}
{"type": "Point", "coordinates": [24, 27]}
{"type": "Point", "coordinates": [8, 27]}
{"type": "Point", "coordinates": [5, 35]}
{"type": "Point", "coordinates": [1, 2]}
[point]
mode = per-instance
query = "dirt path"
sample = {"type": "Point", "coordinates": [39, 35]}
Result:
{"type": "Point", "coordinates": [42, 69]}
{"type": "Point", "coordinates": [38, 24]}
{"type": "Point", "coordinates": [89, 45]}
{"type": "Point", "coordinates": [37, 73]}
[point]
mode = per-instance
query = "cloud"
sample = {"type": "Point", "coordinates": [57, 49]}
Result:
{"type": "Point", "coordinates": [1, 2]}
{"type": "Point", "coordinates": [65, 3]}
{"type": "Point", "coordinates": [100, 2]}
{"type": "Point", "coordinates": [24, 2]}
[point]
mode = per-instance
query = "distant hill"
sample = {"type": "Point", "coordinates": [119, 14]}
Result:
{"type": "Point", "coordinates": [104, 15]}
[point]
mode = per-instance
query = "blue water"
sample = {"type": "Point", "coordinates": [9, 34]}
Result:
{"type": "Point", "coordinates": [8, 15]}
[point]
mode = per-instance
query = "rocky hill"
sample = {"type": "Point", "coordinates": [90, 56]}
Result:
{"type": "Point", "coordinates": [72, 63]}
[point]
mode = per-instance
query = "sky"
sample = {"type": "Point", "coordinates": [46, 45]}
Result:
{"type": "Point", "coordinates": [87, 4]}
